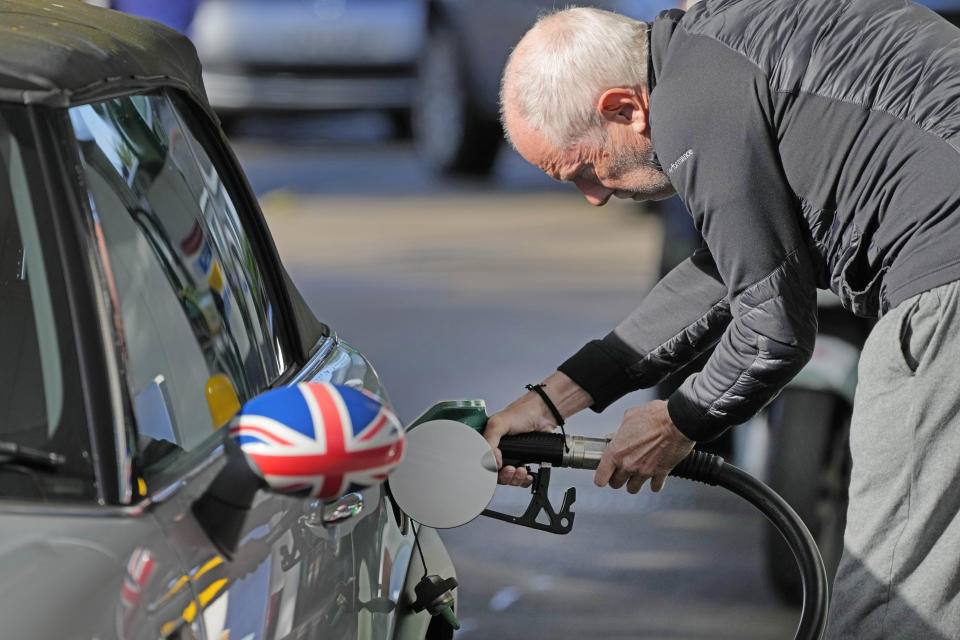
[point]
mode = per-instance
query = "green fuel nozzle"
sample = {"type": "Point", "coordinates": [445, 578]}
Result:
{"type": "Point", "coordinates": [471, 412]}
{"type": "Point", "coordinates": [435, 595]}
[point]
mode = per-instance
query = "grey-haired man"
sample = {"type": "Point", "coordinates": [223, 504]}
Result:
{"type": "Point", "coordinates": [816, 144]}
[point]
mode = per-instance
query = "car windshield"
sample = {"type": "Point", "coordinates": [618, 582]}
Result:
{"type": "Point", "coordinates": [38, 410]}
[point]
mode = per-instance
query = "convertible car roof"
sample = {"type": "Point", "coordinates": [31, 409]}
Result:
{"type": "Point", "coordinates": [66, 52]}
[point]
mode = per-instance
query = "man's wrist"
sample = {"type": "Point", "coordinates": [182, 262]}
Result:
{"type": "Point", "coordinates": [566, 395]}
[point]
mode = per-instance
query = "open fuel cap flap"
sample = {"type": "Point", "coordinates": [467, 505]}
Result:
{"type": "Point", "coordinates": [448, 475]}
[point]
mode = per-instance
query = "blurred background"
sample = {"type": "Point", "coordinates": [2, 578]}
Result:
{"type": "Point", "coordinates": [368, 128]}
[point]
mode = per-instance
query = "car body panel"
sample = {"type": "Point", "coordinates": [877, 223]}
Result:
{"type": "Point", "coordinates": [282, 574]}
{"type": "Point", "coordinates": [98, 573]}
{"type": "Point", "coordinates": [412, 625]}
{"type": "Point", "coordinates": [297, 55]}
{"type": "Point", "coordinates": [301, 34]}
{"type": "Point", "coordinates": [382, 549]}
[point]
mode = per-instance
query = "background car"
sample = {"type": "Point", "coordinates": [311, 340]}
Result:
{"type": "Point", "coordinates": [143, 303]}
{"type": "Point", "coordinates": [433, 65]}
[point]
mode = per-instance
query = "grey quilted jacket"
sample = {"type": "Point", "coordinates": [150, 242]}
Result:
{"type": "Point", "coordinates": [816, 144]}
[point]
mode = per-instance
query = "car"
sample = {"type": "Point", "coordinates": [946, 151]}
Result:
{"type": "Point", "coordinates": [433, 65]}
{"type": "Point", "coordinates": [294, 56]}
{"type": "Point", "coordinates": [144, 307]}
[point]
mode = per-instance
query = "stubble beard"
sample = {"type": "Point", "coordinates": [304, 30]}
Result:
{"type": "Point", "coordinates": [648, 182]}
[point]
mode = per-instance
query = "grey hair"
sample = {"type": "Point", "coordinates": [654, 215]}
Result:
{"type": "Point", "coordinates": [566, 61]}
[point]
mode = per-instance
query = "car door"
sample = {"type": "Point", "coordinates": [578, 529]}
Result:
{"type": "Point", "coordinates": [74, 563]}
{"type": "Point", "coordinates": [202, 333]}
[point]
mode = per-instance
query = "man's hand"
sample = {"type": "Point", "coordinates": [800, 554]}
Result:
{"type": "Point", "coordinates": [646, 446]}
{"type": "Point", "coordinates": [530, 413]}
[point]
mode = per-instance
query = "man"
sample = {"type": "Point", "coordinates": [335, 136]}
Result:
{"type": "Point", "coordinates": [816, 144]}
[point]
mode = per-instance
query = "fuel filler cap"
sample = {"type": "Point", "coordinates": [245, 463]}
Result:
{"type": "Point", "coordinates": [448, 475]}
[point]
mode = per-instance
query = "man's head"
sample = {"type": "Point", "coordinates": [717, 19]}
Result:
{"type": "Point", "coordinates": [575, 104]}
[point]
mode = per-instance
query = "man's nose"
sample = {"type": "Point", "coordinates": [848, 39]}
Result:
{"type": "Point", "coordinates": [596, 194]}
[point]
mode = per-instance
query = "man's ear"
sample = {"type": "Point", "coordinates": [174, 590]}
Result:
{"type": "Point", "coordinates": [623, 105]}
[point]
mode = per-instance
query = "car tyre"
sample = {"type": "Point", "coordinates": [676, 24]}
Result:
{"type": "Point", "coordinates": [400, 123]}
{"type": "Point", "coordinates": [449, 132]}
{"type": "Point", "coordinates": [809, 465]}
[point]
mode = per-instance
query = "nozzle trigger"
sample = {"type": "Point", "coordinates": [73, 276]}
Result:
{"type": "Point", "coordinates": [559, 522]}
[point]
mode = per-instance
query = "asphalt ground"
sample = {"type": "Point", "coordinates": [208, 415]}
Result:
{"type": "Point", "coordinates": [461, 289]}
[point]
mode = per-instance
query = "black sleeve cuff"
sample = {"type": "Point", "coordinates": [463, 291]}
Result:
{"type": "Point", "coordinates": [690, 419]}
{"type": "Point", "coordinates": [600, 371]}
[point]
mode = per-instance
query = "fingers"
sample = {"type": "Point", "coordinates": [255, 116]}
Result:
{"type": "Point", "coordinates": [514, 476]}
{"type": "Point", "coordinates": [657, 482]}
{"type": "Point", "coordinates": [619, 478]}
{"type": "Point", "coordinates": [604, 470]}
{"type": "Point", "coordinates": [636, 483]}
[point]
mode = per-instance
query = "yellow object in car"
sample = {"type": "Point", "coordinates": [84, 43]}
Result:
{"type": "Point", "coordinates": [215, 279]}
{"type": "Point", "coordinates": [221, 399]}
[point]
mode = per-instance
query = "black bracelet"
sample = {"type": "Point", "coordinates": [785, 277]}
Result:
{"type": "Point", "coordinates": [538, 389]}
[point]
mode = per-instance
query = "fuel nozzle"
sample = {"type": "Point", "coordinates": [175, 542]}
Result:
{"type": "Point", "coordinates": [548, 450]}
{"type": "Point", "coordinates": [577, 452]}
{"type": "Point", "coordinates": [436, 596]}
{"type": "Point", "coordinates": [583, 453]}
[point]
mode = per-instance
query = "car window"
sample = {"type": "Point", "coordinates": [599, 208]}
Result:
{"type": "Point", "coordinates": [38, 408]}
{"type": "Point", "coordinates": [239, 253]}
{"type": "Point", "coordinates": [198, 330]}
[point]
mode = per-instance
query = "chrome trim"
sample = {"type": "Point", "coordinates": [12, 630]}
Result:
{"type": "Point", "coordinates": [326, 346]}
{"type": "Point", "coordinates": [79, 511]}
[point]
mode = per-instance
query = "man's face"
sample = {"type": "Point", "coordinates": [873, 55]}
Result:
{"type": "Point", "coordinates": [618, 166]}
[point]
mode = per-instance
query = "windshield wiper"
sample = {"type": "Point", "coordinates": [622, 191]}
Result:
{"type": "Point", "coordinates": [11, 452]}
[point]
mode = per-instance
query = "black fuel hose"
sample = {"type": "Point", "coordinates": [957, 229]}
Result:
{"type": "Point", "coordinates": [553, 448]}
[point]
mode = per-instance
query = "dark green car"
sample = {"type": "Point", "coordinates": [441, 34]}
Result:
{"type": "Point", "coordinates": [142, 302]}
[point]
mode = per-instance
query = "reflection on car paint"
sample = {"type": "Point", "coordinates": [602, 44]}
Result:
{"type": "Point", "coordinates": [347, 366]}
{"type": "Point", "coordinates": [139, 567]}
{"type": "Point", "coordinates": [269, 556]}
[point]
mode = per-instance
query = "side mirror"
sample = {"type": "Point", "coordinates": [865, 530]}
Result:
{"type": "Point", "coordinates": [315, 439]}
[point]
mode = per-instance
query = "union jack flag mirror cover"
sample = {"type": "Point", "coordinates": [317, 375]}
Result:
{"type": "Point", "coordinates": [319, 439]}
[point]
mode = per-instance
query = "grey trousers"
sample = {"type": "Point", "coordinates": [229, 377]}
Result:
{"type": "Point", "coordinates": [899, 576]}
